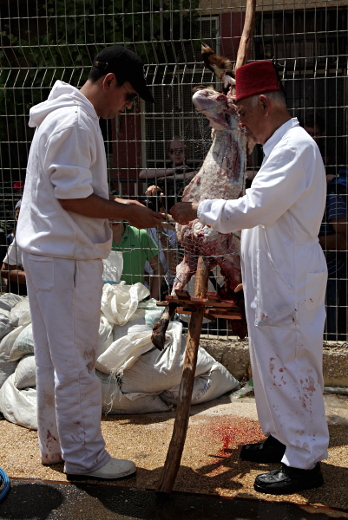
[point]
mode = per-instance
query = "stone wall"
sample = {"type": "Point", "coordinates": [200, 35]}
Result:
{"type": "Point", "coordinates": [234, 355]}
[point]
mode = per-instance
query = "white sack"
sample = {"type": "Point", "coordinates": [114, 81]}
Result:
{"type": "Point", "coordinates": [105, 335]}
{"type": "Point", "coordinates": [115, 402]}
{"type": "Point", "coordinates": [7, 342]}
{"type": "Point", "coordinates": [20, 313]}
{"type": "Point", "coordinates": [18, 406]}
{"type": "Point", "coordinates": [6, 369]}
{"type": "Point", "coordinates": [216, 382]}
{"type": "Point", "coordinates": [157, 371]}
{"type": "Point", "coordinates": [5, 323]}
{"type": "Point", "coordinates": [113, 267]}
{"type": "Point", "coordinates": [123, 352]}
{"type": "Point", "coordinates": [9, 300]}
{"type": "Point", "coordinates": [120, 302]}
{"type": "Point", "coordinates": [25, 373]}
{"type": "Point", "coordinates": [23, 344]}
{"type": "Point", "coordinates": [147, 313]}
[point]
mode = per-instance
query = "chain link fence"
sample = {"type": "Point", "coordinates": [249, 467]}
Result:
{"type": "Point", "coordinates": [42, 42]}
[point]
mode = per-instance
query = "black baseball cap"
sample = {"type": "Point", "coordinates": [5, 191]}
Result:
{"type": "Point", "coordinates": [126, 65]}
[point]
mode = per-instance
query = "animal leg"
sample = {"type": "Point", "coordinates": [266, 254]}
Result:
{"type": "Point", "coordinates": [184, 272]}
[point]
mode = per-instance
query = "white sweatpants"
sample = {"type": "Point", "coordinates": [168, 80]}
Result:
{"type": "Point", "coordinates": [65, 297]}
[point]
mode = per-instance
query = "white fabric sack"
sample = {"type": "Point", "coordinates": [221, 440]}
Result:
{"type": "Point", "coordinates": [5, 324]}
{"type": "Point", "coordinates": [7, 342]}
{"type": "Point", "coordinates": [9, 300]}
{"type": "Point", "coordinates": [20, 313]}
{"type": "Point", "coordinates": [25, 373]}
{"type": "Point", "coordinates": [123, 352]}
{"type": "Point", "coordinates": [6, 369]}
{"type": "Point", "coordinates": [115, 402]}
{"type": "Point", "coordinates": [23, 344]}
{"type": "Point", "coordinates": [157, 371]}
{"type": "Point", "coordinates": [120, 302]}
{"type": "Point", "coordinates": [112, 267]}
{"type": "Point", "coordinates": [105, 335]}
{"type": "Point", "coordinates": [18, 406]}
{"type": "Point", "coordinates": [216, 382]}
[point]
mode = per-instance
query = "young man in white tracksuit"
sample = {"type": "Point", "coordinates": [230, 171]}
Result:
{"type": "Point", "coordinates": [64, 233]}
{"type": "Point", "coordinates": [284, 279]}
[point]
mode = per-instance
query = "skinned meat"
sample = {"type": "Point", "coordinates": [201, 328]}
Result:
{"type": "Point", "coordinates": [220, 177]}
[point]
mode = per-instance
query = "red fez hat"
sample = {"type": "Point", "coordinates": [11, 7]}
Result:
{"type": "Point", "coordinates": [256, 78]}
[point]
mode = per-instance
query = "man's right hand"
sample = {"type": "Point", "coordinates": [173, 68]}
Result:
{"type": "Point", "coordinates": [131, 210]}
{"type": "Point", "coordinates": [142, 217]}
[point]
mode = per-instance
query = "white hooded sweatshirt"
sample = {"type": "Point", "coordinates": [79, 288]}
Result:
{"type": "Point", "coordinates": [66, 161]}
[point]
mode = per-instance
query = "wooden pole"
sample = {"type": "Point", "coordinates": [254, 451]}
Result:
{"type": "Point", "coordinates": [247, 34]}
{"type": "Point", "coordinates": [176, 446]}
{"type": "Point", "coordinates": [172, 463]}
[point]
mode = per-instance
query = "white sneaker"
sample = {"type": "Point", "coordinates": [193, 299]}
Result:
{"type": "Point", "coordinates": [113, 470]}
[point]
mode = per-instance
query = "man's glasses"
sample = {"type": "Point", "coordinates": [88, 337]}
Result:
{"type": "Point", "coordinates": [173, 150]}
{"type": "Point", "coordinates": [131, 96]}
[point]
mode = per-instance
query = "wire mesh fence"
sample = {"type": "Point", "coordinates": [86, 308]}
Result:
{"type": "Point", "coordinates": [42, 42]}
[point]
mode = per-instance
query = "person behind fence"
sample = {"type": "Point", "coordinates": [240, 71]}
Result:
{"type": "Point", "coordinates": [12, 271]}
{"type": "Point", "coordinates": [284, 279]}
{"type": "Point", "coordinates": [332, 238]}
{"type": "Point", "coordinates": [64, 233]}
{"type": "Point", "coordinates": [170, 181]}
{"type": "Point", "coordinates": [10, 236]}
{"type": "Point", "coordinates": [165, 238]}
{"type": "Point", "coordinates": [137, 248]}
{"type": "Point", "coordinates": [314, 124]}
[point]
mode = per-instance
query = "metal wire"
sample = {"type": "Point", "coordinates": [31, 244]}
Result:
{"type": "Point", "coordinates": [45, 41]}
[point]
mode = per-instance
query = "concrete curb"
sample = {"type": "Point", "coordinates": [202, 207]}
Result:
{"type": "Point", "coordinates": [234, 356]}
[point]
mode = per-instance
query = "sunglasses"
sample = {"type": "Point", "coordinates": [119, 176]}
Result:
{"type": "Point", "coordinates": [131, 96]}
{"type": "Point", "coordinates": [173, 150]}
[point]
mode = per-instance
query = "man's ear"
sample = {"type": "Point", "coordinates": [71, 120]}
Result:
{"type": "Point", "coordinates": [264, 101]}
{"type": "Point", "coordinates": [108, 80]}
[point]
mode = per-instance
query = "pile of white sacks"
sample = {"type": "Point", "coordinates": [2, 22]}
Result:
{"type": "Point", "coordinates": [135, 376]}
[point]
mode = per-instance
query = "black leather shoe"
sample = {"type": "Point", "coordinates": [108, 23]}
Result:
{"type": "Point", "coordinates": [287, 480]}
{"type": "Point", "coordinates": [271, 450]}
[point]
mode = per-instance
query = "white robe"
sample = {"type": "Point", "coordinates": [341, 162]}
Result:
{"type": "Point", "coordinates": [284, 279]}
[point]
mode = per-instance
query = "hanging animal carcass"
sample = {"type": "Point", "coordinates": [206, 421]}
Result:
{"type": "Point", "coordinates": [220, 177]}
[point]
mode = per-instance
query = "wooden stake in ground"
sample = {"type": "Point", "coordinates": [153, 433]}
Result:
{"type": "Point", "coordinates": [172, 463]}
{"type": "Point", "coordinates": [176, 446]}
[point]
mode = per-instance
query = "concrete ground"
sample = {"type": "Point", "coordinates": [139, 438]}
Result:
{"type": "Point", "coordinates": [211, 483]}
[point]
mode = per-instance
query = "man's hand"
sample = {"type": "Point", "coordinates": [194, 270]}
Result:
{"type": "Point", "coordinates": [133, 211]}
{"type": "Point", "coordinates": [142, 217]}
{"type": "Point", "coordinates": [154, 190]}
{"type": "Point", "coordinates": [184, 212]}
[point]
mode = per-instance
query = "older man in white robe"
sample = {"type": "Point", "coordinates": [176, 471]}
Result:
{"type": "Point", "coordinates": [284, 278]}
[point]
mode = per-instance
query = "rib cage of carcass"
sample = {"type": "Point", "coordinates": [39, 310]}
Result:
{"type": "Point", "coordinates": [220, 177]}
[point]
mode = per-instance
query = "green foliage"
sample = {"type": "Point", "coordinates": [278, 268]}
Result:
{"type": "Point", "coordinates": [57, 39]}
